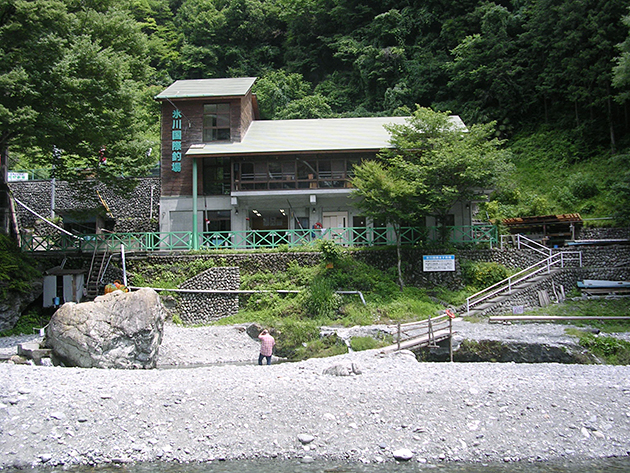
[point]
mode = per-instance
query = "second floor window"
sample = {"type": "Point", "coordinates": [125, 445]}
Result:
{"type": "Point", "coordinates": [216, 122]}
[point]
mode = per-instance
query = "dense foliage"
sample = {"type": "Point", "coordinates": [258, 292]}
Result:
{"type": "Point", "coordinates": [81, 75]}
{"type": "Point", "coordinates": [17, 270]}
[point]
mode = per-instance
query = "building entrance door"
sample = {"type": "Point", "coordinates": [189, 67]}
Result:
{"type": "Point", "coordinates": [338, 221]}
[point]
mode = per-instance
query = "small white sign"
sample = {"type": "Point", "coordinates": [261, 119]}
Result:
{"type": "Point", "coordinates": [518, 309]}
{"type": "Point", "coordinates": [17, 176]}
{"type": "Point", "coordinates": [438, 263]}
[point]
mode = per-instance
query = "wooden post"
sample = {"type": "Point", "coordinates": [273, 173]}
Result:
{"type": "Point", "coordinates": [398, 336]}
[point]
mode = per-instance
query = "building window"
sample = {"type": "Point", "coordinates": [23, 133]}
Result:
{"type": "Point", "coordinates": [216, 122]}
{"type": "Point", "coordinates": [216, 176]}
{"type": "Point", "coordinates": [217, 221]}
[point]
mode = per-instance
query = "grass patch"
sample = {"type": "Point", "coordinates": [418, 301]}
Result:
{"type": "Point", "coordinates": [369, 343]}
{"type": "Point", "coordinates": [592, 308]}
{"type": "Point", "coordinates": [298, 316]}
{"type": "Point", "coordinates": [610, 350]}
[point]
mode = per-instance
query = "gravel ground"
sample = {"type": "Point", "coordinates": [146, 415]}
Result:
{"type": "Point", "coordinates": [210, 401]}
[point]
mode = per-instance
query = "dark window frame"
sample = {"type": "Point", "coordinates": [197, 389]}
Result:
{"type": "Point", "coordinates": [216, 122]}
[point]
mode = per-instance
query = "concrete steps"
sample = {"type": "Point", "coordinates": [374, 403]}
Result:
{"type": "Point", "coordinates": [484, 307]}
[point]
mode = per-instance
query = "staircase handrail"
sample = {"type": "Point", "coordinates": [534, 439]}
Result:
{"type": "Point", "coordinates": [523, 241]}
{"type": "Point", "coordinates": [522, 275]}
{"type": "Point", "coordinates": [89, 276]}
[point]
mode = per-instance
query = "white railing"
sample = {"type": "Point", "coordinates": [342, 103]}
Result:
{"type": "Point", "coordinates": [527, 273]}
{"type": "Point", "coordinates": [521, 241]}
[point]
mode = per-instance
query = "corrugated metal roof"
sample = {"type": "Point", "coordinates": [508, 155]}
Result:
{"type": "Point", "coordinates": [199, 88]}
{"type": "Point", "coordinates": [326, 134]}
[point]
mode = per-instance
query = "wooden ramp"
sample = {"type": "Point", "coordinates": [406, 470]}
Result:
{"type": "Point", "coordinates": [425, 333]}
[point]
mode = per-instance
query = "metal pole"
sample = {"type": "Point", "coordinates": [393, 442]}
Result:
{"type": "Point", "coordinates": [450, 338]}
{"type": "Point", "coordinates": [398, 336]}
{"type": "Point", "coordinates": [195, 230]}
{"type": "Point", "coordinates": [52, 197]}
{"type": "Point", "coordinates": [124, 268]}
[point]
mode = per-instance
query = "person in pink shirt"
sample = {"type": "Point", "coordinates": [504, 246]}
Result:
{"type": "Point", "coordinates": [267, 343]}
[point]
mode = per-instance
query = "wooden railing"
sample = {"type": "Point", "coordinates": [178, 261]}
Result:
{"type": "Point", "coordinates": [424, 333]}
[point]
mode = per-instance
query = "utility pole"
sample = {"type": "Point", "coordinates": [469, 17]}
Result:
{"type": "Point", "coordinates": [56, 157]}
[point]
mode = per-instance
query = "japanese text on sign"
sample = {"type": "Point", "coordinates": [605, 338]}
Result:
{"type": "Point", "coordinates": [176, 143]}
{"type": "Point", "coordinates": [438, 263]}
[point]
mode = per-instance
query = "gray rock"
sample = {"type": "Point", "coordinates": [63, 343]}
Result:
{"type": "Point", "coordinates": [343, 370]}
{"type": "Point", "coordinates": [117, 330]}
{"type": "Point", "coordinates": [402, 454]}
{"type": "Point", "coordinates": [305, 439]}
{"type": "Point", "coordinates": [14, 303]}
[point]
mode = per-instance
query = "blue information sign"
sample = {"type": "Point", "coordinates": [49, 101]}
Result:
{"type": "Point", "coordinates": [438, 263]}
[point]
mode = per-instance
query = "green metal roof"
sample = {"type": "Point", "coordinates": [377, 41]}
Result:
{"type": "Point", "coordinates": [309, 135]}
{"type": "Point", "coordinates": [199, 88]}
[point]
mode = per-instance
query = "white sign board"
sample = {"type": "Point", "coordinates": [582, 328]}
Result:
{"type": "Point", "coordinates": [13, 176]}
{"type": "Point", "coordinates": [518, 310]}
{"type": "Point", "coordinates": [438, 263]}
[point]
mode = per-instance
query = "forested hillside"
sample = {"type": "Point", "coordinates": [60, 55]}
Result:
{"type": "Point", "coordinates": [553, 74]}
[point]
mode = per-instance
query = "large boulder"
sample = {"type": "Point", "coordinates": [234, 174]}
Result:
{"type": "Point", "coordinates": [117, 330]}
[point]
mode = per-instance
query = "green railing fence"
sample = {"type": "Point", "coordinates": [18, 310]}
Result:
{"type": "Point", "coordinates": [253, 239]}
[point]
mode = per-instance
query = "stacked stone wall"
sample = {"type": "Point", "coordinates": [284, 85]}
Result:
{"type": "Point", "coordinates": [592, 233]}
{"type": "Point", "coordinates": [603, 262]}
{"type": "Point", "coordinates": [199, 307]}
{"type": "Point", "coordinates": [132, 213]}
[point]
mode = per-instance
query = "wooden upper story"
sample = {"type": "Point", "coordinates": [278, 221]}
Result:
{"type": "Point", "coordinates": [216, 122]}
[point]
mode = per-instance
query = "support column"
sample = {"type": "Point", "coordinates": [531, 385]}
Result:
{"type": "Point", "coordinates": [195, 230]}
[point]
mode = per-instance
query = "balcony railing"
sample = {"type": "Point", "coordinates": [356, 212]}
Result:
{"type": "Point", "coordinates": [253, 239]}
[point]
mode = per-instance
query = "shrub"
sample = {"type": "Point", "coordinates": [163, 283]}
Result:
{"type": "Point", "coordinates": [612, 350]}
{"type": "Point", "coordinates": [320, 348]}
{"type": "Point", "coordinates": [481, 274]}
{"type": "Point", "coordinates": [292, 334]}
{"type": "Point", "coordinates": [28, 323]}
{"type": "Point", "coordinates": [321, 301]}
{"type": "Point", "coordinates": [16, 269]}
{"type": "Point", "coordinates": [331, 252]}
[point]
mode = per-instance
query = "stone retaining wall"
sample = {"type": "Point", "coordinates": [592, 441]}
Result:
{"type": "Point", "coordinates": [200, 308]}
{"type": "Point", "coordinates": [592, 233]}
{"type": "Point", "coordinates": [131, 213]}
{"type": "Point", "coordinates": [557, 284]}
{"type": "Point", "coordinates": [605, 262]}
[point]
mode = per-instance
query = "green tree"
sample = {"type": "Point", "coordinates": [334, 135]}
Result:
{"type": "Point", "coordinates": [229, 38]}
{"type": "Point", "coordinates": [568, 48]}
{"type": "Point", "coordinates": [384, 194]}
{"type": "Point", "coordinates": [434, 162]}
{"type": "Point", "coordinates": [453, 163]}
{"type": "Point", "coordinates": [313, 106]}
{"type": "Point", "coordinates": [621, 71]}
{"type": "Point", "coordinates": [484, 75]}
{"type": "Point", "coordinates": [73, 79]}
{"type": "Point", "coordinates": [276, 89]}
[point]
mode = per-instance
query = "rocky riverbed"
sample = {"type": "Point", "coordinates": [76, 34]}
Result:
{"type": "Point", "coordinates": [209, 401]}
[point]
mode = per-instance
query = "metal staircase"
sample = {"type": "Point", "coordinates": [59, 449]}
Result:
{"type": "Point", "coordinates": [504, 290]}
{"type": "Point", "coordinates": [95, 276]}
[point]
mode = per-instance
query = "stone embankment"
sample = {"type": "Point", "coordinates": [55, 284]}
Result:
{"type": "Point", "coordinates": [220, 405]}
